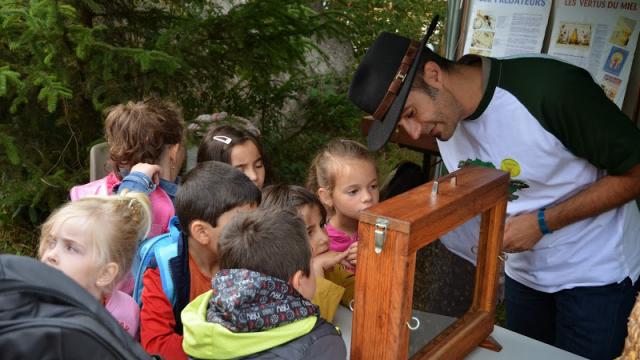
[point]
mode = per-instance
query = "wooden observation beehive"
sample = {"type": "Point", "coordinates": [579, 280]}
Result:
{"type": "Point", "coordinates": [391, 232]}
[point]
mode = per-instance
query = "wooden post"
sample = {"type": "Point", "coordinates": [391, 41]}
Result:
{"type": "Point", "coordinates": [384, 278]}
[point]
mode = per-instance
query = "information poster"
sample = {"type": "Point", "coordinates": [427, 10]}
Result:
{"type": "Point", "coordinates": [599, 36]}
{"type": "Point", "coordinates": [499, 28]}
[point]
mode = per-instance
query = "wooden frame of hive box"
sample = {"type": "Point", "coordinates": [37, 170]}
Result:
{"type": "Point", "coordinates": [391, 232]}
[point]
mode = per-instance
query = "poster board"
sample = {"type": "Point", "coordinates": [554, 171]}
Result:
{"type": "Point", "coordinates": [598, 35]}
{"type": "Point", "coordinates": [499, 28]}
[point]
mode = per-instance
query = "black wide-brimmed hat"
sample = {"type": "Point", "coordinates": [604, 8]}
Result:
{"type": "Point", "coordinates": [383, 80]}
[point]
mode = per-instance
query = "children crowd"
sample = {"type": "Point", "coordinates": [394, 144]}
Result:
{"type": "Point", "coordinates": [220, 262]}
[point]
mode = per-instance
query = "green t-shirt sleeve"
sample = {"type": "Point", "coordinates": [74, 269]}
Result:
{"type": "Point", "coordinates": [591, 126]}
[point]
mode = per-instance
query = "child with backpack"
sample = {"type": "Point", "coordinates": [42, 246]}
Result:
{"type": "Point", "coordinates": [334, 284]}
{"type": "Point", "coordinates": [93, 241]}
{"type": "Point", "coordinates": [240, 147]}
{"type": "Point", "coordinates": [44, 314]}
{"type": "Point", "coordinates": [178, 266]}
{"type": "Point", "coordinates": [148, 131]}
{"type": "Point", "coordinates": [344, 176]}
{"type": "Point", "coordinates": [258, 306]}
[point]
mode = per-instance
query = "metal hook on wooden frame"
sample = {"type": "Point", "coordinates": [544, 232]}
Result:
{"type": "Point", "coordinates": [380, 234]}
{"type": "Point", "coordinates": [413, 327]}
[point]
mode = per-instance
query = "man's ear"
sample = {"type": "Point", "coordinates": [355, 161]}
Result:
{"type": "Point", "coordinates": [432, 74]}
{"type": "Point", "coordinates": [325, 197]}
{"type": "Point", "coordinates": [200, 231]}
{"type": "Point", "coordinates": [107, 275]}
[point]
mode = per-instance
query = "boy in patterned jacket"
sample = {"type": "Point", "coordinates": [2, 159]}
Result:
{"type": "Point", "coordinates": [259, 305]}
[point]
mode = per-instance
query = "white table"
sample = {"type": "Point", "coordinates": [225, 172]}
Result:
{"type": "Point", "coordinates": [514, 346]}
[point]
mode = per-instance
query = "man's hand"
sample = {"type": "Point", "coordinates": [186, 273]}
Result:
{"type": "Point", "coordinates": [327, 261]}
{"type": "Point", "coordinates": [151, 170]}
{"type": "Point", "coordinates": [521, 233]}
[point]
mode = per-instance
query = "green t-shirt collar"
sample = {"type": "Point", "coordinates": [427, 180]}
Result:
{"type": "Point", "coordinates": [490, 77]}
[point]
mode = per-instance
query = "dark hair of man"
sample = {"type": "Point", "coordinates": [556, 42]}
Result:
{"type": "Point", "coordinates": [418, 81]}
{"type": "Point", "coordinates": [209, 190]}
{"type": "Point", "coordinates": [291, 197]}
{"type": "Point", "coordinates": [270, 241]}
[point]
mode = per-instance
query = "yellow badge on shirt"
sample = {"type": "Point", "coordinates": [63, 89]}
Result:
{"type": "Point", "coordinates": [511, 166]}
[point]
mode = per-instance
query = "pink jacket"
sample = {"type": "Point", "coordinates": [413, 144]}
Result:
{"type": "Point", "coordinates": [338, 240]}
{"type": "Point", "coordinates": [125, 310]}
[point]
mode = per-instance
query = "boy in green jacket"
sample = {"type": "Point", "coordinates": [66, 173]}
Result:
{"type": "Point", "coordinates": [259, 305]}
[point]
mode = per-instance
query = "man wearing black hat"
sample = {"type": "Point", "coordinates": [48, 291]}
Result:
{"type": "Point", "coordinates": [574, 233]}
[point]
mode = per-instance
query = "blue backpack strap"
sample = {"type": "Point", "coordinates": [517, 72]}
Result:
{"type": "Point", "coordinates": [161, 248]}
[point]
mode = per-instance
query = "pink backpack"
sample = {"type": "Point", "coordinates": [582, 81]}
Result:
{"type": "Point", "coordinates": [161, 210]}
{"type": "Point", "coordinates": [161, 206]}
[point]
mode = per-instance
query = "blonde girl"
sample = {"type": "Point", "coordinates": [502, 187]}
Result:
{"type": "Point", "coordinates": [239, 147]}
{"type": "Point", "coordinates": [93, 241]}
{"type": "Point", "coordinates": [343, 175]}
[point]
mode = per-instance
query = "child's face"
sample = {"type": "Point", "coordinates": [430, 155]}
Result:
{"type": "Point", "coordinates": [67, 249]}
{"type": "Point", "coordinates": [356, 188]}
{"type": "Point", "coordinates": [247, 159]}
{"type": "Point", "coordinates": [317, 234]}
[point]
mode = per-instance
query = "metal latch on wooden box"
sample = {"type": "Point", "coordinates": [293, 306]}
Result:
{"type": "Point", "coordinates": [380, 233]}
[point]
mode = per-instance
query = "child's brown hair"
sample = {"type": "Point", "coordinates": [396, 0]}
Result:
{"type": "Point", "coordinates": [291, 197]}
{"type": "Point", "coordinates": [209, 190]}
{"type": "Point", "coordinates": [137, 132]}
{"type": "Point", "coordinates": [270, 241]}
{"type": "Point", "coordinates": [218, 142]}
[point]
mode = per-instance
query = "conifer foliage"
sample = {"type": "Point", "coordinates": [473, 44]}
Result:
{"type": "Point", "coordinates": [63, 62]}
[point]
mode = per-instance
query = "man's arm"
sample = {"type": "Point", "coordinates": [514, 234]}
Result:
{"type": "Point", "coordinates": [591, 127]}
{"type": "Point", "coordinates": [522, 232]}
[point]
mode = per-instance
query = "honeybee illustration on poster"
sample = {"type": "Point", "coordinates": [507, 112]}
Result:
{"type": "Point", "coordinates": [502, 28]}
{"type": "Point", "coordinates": [599, 39]}
{"type": "Point", "coordinates": [484, 21]}
{"type": "Point", "coordinates": [577, 35]}
{"type": "Point", "coordinates": [622, 32]}
{"type": "Point", "coordinates": [610, 85]}
{"type": "Point", "coordinates": [615, 60]}
{"type": "Point", "coordinates": [484, 26]}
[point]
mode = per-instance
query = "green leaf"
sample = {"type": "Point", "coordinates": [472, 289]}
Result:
{"type": "Point", "coordinates": [33, 215]}
{"type": "Point", "coordinates": [3, 85]}
{"type": "Point", "coordinates": [52, 102]}
{"type": "Point", "coordinates": [67, 11]}
{"type": "Point", "coordinates": [94, 6]}
{"type": "Point", "coordinates": [20, 100]}
{"type": "Point", "coordinates": [10, 148]}
{"type": "Point", "coordinates": [48, 58]}
{"type": "Point", "coordinates": [81, 52]}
